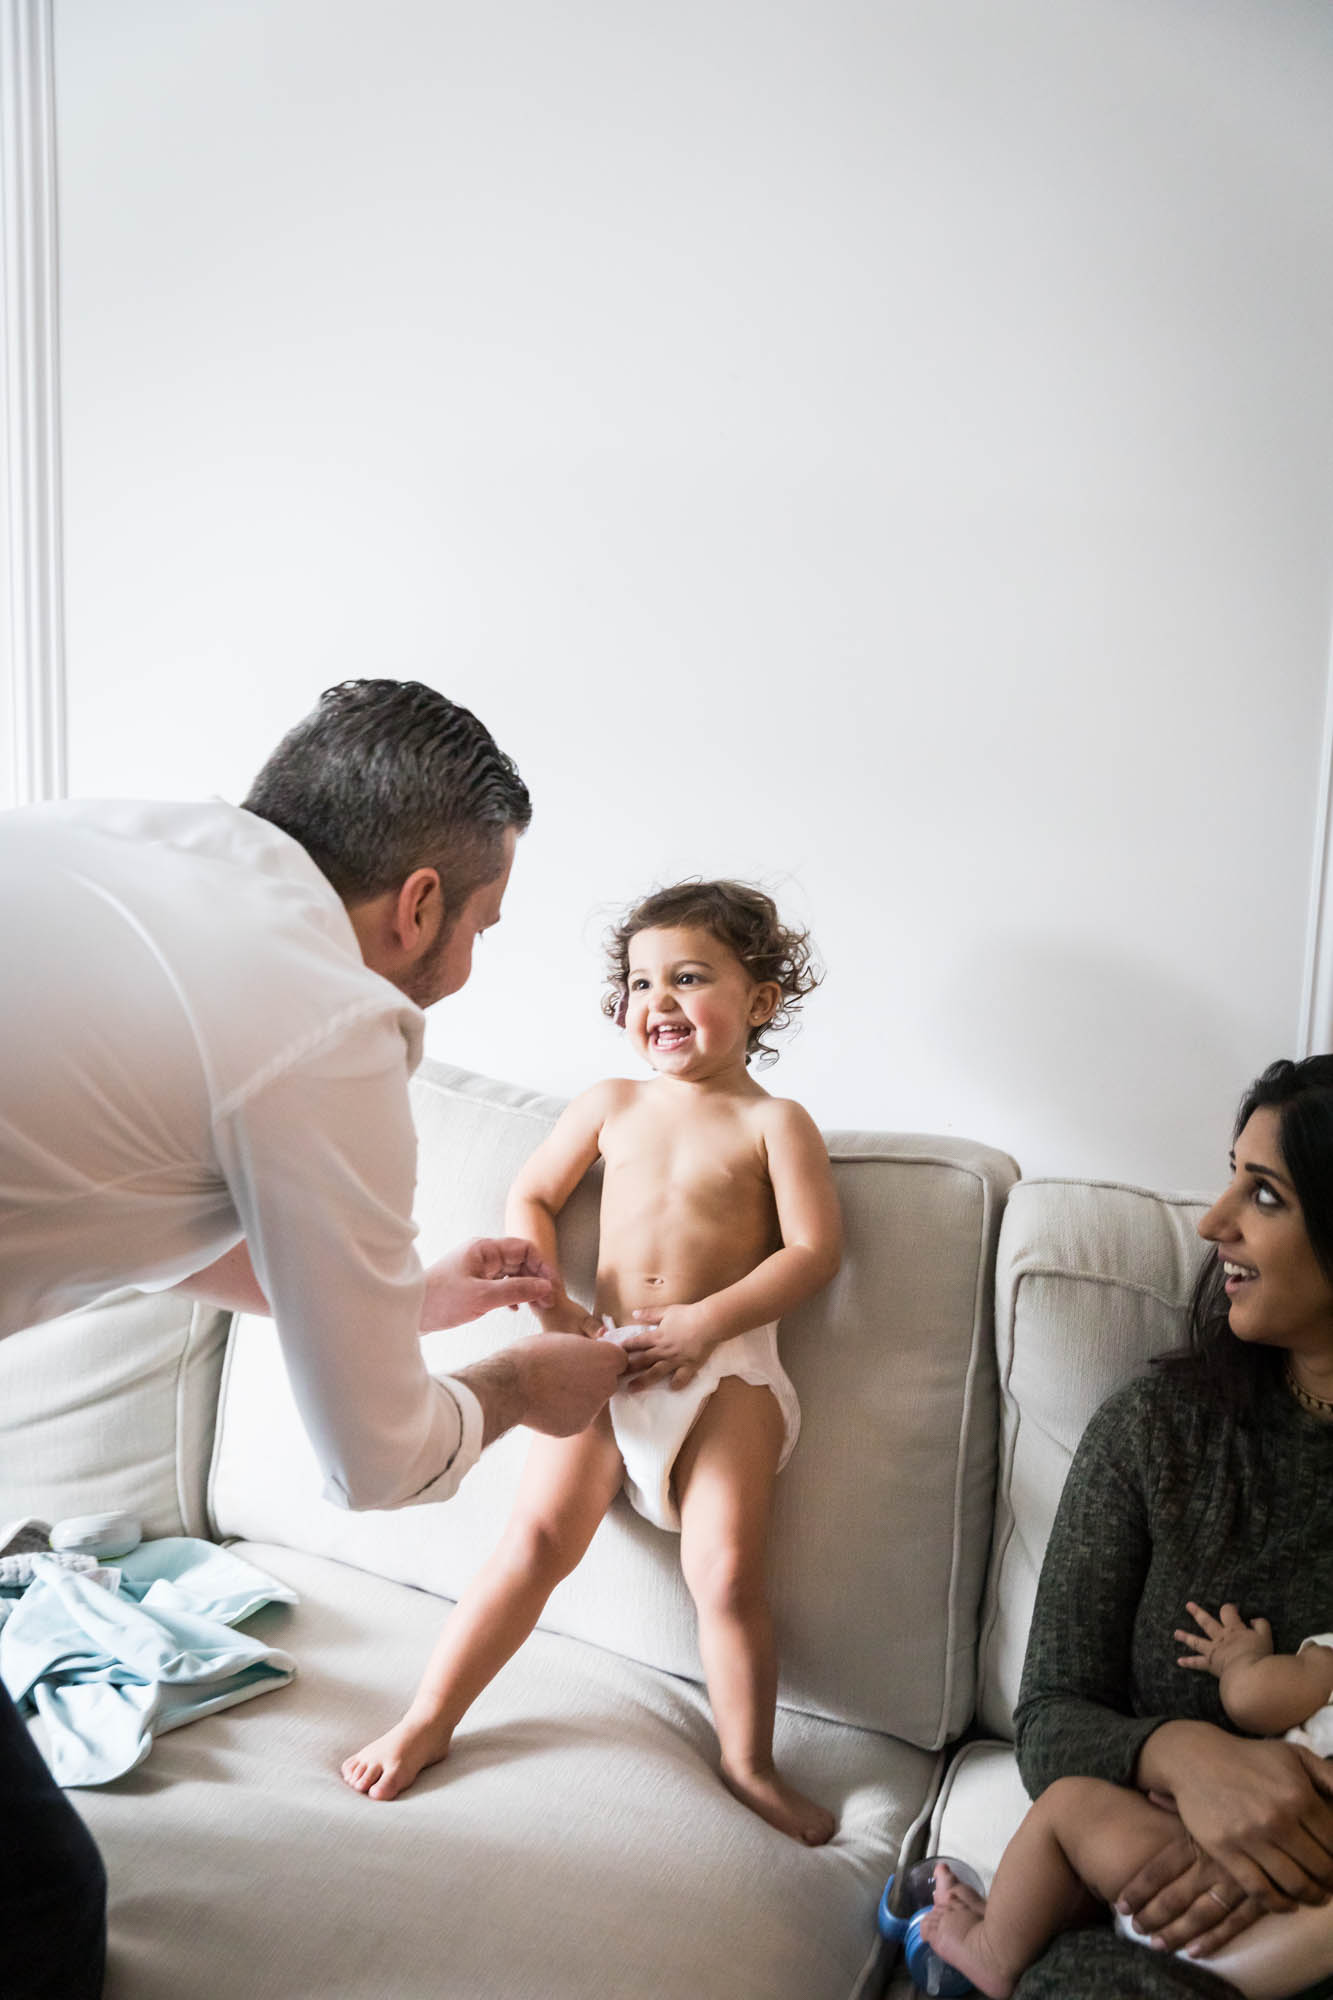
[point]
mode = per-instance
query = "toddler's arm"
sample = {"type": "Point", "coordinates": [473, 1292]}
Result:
{"type": "Point", "coordinates": [544, 1184]}
{"type": "Point", "coordinates": [1263, 1691]}
{"type": "Point", "coordinates": [675, 1342]}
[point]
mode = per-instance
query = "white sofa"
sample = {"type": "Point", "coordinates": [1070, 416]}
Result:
{"type": "Point", "coordinates": [578, 1842]}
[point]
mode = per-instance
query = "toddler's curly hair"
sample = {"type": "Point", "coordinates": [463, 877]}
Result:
{"type": "Point", "coordinates": [740, 917]}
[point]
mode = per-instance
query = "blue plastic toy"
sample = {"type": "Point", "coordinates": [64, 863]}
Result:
{"type": "Point", "coordinates": [926, 1969]}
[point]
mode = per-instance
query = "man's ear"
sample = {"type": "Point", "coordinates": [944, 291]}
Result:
{"type": "Point", "coordinates": [419, 910]}
{"type": "Point", "coordinates": [764, 1002]}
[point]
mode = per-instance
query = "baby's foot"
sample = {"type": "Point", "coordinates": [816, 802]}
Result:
{"type": "Point", "coordinates": [956, 1931]}
{"type": "Point", "coordinates": [388, 1766]}
{"type": "Point", "coordinates": [781, 1805]}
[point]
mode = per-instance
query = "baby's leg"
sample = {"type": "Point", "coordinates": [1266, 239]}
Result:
{"type": "Point", "coordinates": [566, 1488]}
{"type": "Point", "coordinates": [724, 1482]}
{"type": "Point", "coordinates": [1082, 1834]}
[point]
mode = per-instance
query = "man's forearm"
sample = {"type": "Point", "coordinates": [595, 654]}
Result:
{"type": "Point", "coordinates": [495, 1384]}
{"type": "Point", "coordinates": [230, 1282]}
{"type": "Point", "coordinates": [552, 1382]}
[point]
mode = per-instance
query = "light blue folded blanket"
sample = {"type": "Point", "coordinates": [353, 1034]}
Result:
{"type": "Point", "coordinates": [107, 1670]}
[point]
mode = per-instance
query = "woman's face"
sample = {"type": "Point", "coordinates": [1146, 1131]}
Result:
{"type": "Point", "coordinates": [1279, 1294]}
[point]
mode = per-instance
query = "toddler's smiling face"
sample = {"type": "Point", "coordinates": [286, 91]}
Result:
{"type": "Point", "coordinates": [690, 1004]}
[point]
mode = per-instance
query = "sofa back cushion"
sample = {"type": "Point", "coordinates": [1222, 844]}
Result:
{"type": "Point", "coordinates": [1092, 1280]}
{"type": "Point", "coordinates": [113, 1408]}
{"type": "Point", "coordinates": [882, 1517]}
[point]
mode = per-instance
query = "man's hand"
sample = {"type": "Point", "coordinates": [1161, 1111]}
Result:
{"type": "Point", "coordinates": [672, 1345]}
{"type": "Point", "coordinates": [481, 1275]}
{"type": "Point", "coordinates": [554, 1382]}
{"type": "Point", "coordinates": [1184, 1901]}
{"type": "Point", "coordinates": [1225, 1641]}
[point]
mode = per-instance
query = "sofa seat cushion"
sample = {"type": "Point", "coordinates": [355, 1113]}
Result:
{"type": "Point", "coordinates": [980, 1806]}
{"type": "Point", "coordinates": [577, 1842]}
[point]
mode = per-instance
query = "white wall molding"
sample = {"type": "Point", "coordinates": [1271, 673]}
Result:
{"type": "Point", "coordinates": [31, 339]}
{"type": "Point", "coordinates": [1316, 1025]}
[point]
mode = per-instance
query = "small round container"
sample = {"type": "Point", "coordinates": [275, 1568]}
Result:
{"type": "Point", "coordinates": [99, 1535]}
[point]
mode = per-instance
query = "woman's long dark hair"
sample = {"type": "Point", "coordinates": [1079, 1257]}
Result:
{"type": "Point", "coordinates": [1231, 1373]}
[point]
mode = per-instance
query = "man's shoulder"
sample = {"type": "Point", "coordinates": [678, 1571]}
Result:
{"type": "Point", "coordinates": [249, 936]}
{"type": "Point", "coordinates": [127, 839]}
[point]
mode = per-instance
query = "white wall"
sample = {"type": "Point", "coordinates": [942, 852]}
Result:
{"type": "Point", "coordinates": [882, 450]}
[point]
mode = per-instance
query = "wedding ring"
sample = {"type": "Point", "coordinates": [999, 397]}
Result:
{"type": "Point", "coordinates": [1219, 1898]}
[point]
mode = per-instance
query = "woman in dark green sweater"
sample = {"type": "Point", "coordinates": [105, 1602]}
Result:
{"type": "Point", "coordinates": [1209, 1480]}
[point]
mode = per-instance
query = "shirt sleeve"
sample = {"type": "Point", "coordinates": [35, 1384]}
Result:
{"type": "Point", "coordinates": [1074, 1714]}
{"type": "Point", "coordinates": [321, 1165]}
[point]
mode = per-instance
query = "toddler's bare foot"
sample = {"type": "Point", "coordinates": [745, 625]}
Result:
{"type": "Point", "coordinates": [955, 1929]}
{"type": "Point", "coordinates": [781, 1805]}
{"type": "Point", "coordinates": [388, 1766]}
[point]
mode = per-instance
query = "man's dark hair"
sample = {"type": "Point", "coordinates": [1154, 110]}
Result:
{"type": "Point", "coordinates": [740, 917]}
{"type": "Point", "coordinates": [1230, 1372]}
{"type": "Point", "coordinates": [387, 776]}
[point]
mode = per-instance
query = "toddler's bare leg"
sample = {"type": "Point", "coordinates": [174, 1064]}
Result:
{"type": "Point", "coordinates": [566, 1488]}
{"type": "Point", "coordinates": [1081, 1835]}
{"type": "Point", "coordinates": [724, 1480]}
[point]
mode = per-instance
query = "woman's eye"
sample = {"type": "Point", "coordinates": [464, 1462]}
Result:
{"type": "Point", "coordinates": [1265, 1198]}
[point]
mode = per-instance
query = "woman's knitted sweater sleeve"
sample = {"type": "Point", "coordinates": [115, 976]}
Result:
{"type": "Point", "coordinates": [1074, 1709]}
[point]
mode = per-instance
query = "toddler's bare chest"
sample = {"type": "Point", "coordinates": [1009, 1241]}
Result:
{"type": "Point", "coordinates": [711, 1162]}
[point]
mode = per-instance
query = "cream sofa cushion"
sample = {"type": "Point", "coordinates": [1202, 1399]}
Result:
{"type": "Point", "coordinates": [893, 1364]}
{"type": "Point", "coordinates": [1092, 1280]}
{"type": "Point", "coordinates": [981, 1803]}
{"type": "Point", "coordinates": [113, 1407]}
{"type": "Point", "coordinates": [577, 1843]}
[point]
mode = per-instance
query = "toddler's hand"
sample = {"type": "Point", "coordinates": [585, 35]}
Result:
{"type": "Point", "coordinates": [1225, 1641]}
{"type": "Point", "coordinates": [671, 1346]}
{"type": "Point", "coordinates": [566, 1315]}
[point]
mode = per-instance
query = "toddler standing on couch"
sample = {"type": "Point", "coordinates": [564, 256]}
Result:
{"type": "Point", "coordinates": [718, 1217]}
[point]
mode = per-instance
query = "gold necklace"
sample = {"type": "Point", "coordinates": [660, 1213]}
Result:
{"type": "Point", "coordinates": [1318, 1406]}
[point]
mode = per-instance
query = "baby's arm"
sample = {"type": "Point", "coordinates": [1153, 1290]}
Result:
{"type": "Point", "coordinates": [682, 1337]}
{"type": "Point", "coordinates": [1263, 1691]}
{"type": "Point", "coordinates": [544, 1184]}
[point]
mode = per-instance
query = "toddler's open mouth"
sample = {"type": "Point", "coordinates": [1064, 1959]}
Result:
{"type": "Point", "coordinates": [669, 1035]}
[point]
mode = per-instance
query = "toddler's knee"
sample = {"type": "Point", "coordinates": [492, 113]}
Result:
{"type": "Point", "coordinates": [721, 1582]}
{"type": "Point", "coordinates": [537, 1549]}
{"type": "Point", "coordinates": [1072, 1801]}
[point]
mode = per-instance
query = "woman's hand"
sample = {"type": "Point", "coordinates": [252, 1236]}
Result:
{"type": "Point", "coordinates": [1184, 1901]}
{"type": "Point", "coordinates": [672, 1345]}
{"type": "Point", "coordinates": [1258, 1811]}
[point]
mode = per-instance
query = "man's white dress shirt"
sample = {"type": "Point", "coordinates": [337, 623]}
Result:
{"type": "Point", "coordinates": [192, 1051]}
